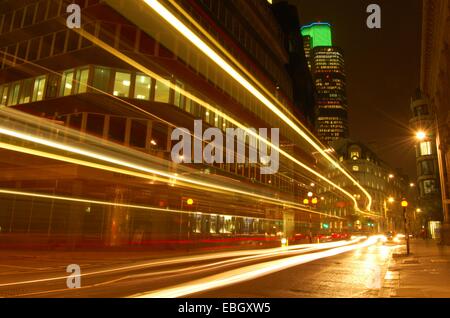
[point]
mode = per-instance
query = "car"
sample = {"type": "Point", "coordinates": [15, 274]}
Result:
{"type": "Point", "coordinates": [389, 235]}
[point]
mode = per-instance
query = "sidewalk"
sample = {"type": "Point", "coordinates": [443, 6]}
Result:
{"type": "Point", "coordinates": [425, 273]}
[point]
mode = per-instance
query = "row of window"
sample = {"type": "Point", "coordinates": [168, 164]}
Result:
{"type": "Point", "coordinates": [118, 83]}
{"type": "Point", "coordinates": [123, 37]}
{"type": "Point", "coordinates": [37, 12]}
{"type": "Point", "coordinates": [232, 23]}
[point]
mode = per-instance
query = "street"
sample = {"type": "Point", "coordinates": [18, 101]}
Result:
{"type": "Point", "coordinates": [336, 269]}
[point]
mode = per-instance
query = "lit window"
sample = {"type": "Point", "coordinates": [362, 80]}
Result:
{"type": "Point", "coordinates": [142, 87]}
{"type": "Point", "coordinates": [122, 84]}
{"type": "Point", "coordinates": [355, 168]}
{"type": "Point", "coordinates": [82, 79]}
{"type": "Point", "coordinates": [38, 89]}
{"type": "Point", "coordinates": [188, 107]}
{"type": "Point", "coordinates": [429, 186]}
{"type": "Point", "coordinates": [354, 155]}
{"type": "Point", "coordinates": [179, 99]}
{"type": "Point", "coordinates": [197, 228]}
{"type": "Point", "coordinates": [67, 83]}
{"type": "Point", "coordinates": [101, 79]}
{"type": "Point", "coordinates": [4, 94]}
{"type": "Point", "coordinates": [14, 97]}
{"type": "Point", "coordinates": [25, 94]}
{"type": "Point", "coordinates": [425, 148]}
{"type": "Point", "coordinates": [162, 92]}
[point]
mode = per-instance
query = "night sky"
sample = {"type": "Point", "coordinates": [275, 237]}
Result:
{"type": "Point", "coordinates": [383, 69]}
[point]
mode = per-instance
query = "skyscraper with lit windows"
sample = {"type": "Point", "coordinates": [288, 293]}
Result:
{"type": "Point", "coordinates": [326, 63]}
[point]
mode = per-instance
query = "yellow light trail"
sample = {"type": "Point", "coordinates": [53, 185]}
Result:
{"type": "Point", "coordinates": [209, 52]}
{"type": "Point", "coordinates": [251, 272]}
{"type": "Point", "coordinates": [205, 185]}
{"type": "Point", "coordinates": [206, 105]}
{"type": "Point", "coordinates": [238, 256]}
{"type": "Point", "coordinates": [140, 109]}
{"type": "Point", "coordinates": [123, 205]}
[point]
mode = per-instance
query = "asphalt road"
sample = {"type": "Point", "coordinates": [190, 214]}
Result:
{"type": "Point", "coordinates": [336, 269]}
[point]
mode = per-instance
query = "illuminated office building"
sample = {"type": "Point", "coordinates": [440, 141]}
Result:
{"type": "Point", "coordinates": [122, 86]}
{"type": "Point", "coordinates": [327, 66]}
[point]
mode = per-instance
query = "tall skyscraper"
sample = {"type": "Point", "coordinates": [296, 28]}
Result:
{"type": "Point", "coordinates": [326, 63]}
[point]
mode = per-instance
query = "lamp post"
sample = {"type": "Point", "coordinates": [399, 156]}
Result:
{"type": "Point", "coordinates": [310, 201]}
{"type": "Point", "coordinates": [404, 205]}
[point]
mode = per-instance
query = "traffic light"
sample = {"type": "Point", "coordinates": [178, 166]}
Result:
{"type": "Point", "coordinates": [325, 225]}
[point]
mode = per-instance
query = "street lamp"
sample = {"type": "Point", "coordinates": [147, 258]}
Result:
{"type": "Point", "coordinates": [421, 135]}
{"type": "Point", "coordinates": [391, 200]}
{"type": "Point", "coordinates": [404, 205]}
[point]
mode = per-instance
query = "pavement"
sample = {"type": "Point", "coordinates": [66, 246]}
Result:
{"type": "Point", "coordinates": [425, 273]}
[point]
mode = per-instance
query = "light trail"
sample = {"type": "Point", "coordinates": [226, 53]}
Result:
{"type": "Point", "coordinates": [206, 105]}
{"type": "Point", "coordinates": [183, 260]}
{"type": "Point", "coordinates": [98, 156]}
{"type": "Point", "coordinates": [140, 109]}
{"type": "Point", "coordinates": [124, 205]}
{"type": "Point", "coordinates": [250, 272]}
{"type": "Point", "coordinates": [210, 53]}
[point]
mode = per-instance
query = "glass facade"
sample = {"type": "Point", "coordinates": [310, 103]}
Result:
{"type": "Point", "coordinates": [122, 83]}
{"type": "Point", "coordinates": [14, 96]}
{"type": "Point", "coordinates": [82, 80]}
{"type": "Point", "coordinates": [142, 87]}
{"type": "Point", "coordinates": [38, 90]}
{"type": "Point", "coordinates": [425, 148]}
{"type": "Point", "coordinates": [66, 83]}
{"type": "Point", "coordinates": [162, 92]}
{"type": "Point", "coordinates": [329, 79]}
{"type": "Point", "coordinates": [101, 78]}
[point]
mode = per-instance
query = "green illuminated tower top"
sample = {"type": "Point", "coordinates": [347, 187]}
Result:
{"type": "Point", "coordinates": [319, 32]}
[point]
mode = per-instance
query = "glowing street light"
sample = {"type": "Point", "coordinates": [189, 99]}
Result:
{"type": "Point", "coordinates": [412, 185]}
{"type": "Point", "coordinates": [404, 205]}
{"type": "Point", "coordinates": [314, 201]}
{"type": "Point", "coordinates": [189, 201]}
{"type": "Point", "coordinates": [310, 194]}
{"type": "Point", "coordinates": [421, 135]}
{"type": "Point", "coordinates": [391, 176]}
{"type": "Point", "coordinates": [391, 200]}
